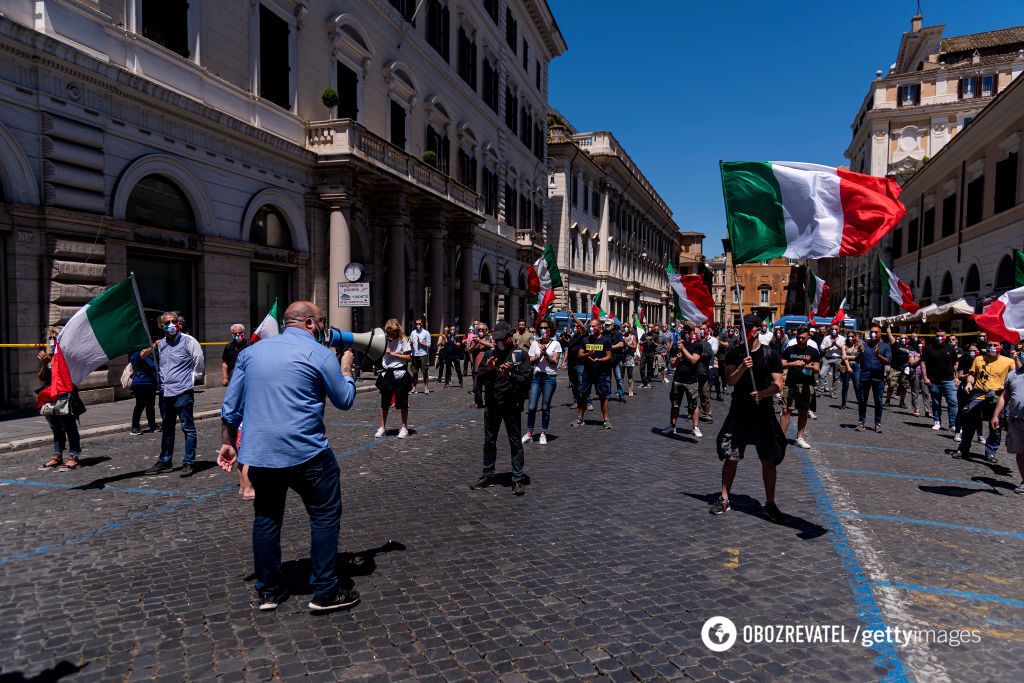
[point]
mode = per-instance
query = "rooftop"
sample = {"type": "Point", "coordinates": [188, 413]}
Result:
{"type": "Point", "coordinates": [986, 39]}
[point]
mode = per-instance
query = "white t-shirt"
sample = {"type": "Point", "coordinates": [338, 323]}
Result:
{"type": "Point", "coordinates": [765, 338]}
{"type": "Point", "coordinates": [390, 362]}
{"type": "Point", "coordinates": [544, 364]}
{"type": "Point", "coordinates": [810, 342]}
{"type": "Point", "coordinates": [713, 342]}
{"type": "Point", "coordinates": [420, 342]}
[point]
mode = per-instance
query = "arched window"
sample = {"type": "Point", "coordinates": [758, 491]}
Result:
{"type": "Point", "coordinates": [270, 229]}
{"type": "Point", "coordinates": [158, 202]}
{"type": "Point", "coordinates": [946, 292]}
{"type": "Point", "coordinates": [926, 293]}
{"type": "Point", "coordinates": [1005, 275]}
{"type": "Point", "coordinates": [972, 283]}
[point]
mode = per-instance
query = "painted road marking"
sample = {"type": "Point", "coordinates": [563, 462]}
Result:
{"type": "Point", "coordinates": [935, 590]}
{"type": "Point", "coordinates": [910, 476]}
{"type": "Point", "coordinates": [86, 487]}
{"type": "Point", "coordinates": [928, 522]}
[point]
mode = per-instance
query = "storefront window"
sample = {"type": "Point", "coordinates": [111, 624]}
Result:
{"type": "Point", "coordinates": [266, 286]}
{"type": "Point", "coordinates": [165, 284]}
{"type": "Point", "coordinates": [270, 229]}
{"type": "Point", "coordinates": [157, 202]}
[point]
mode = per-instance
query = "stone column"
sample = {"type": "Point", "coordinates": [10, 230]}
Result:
{"type": "Point", "coordinates": [437, 293]}
{"type": "Point", "coordinates": [469, 308]}
{"type": "Point", "coordinates": [396, 271]}
{"type": "Point", "coordinates": [339, 257]}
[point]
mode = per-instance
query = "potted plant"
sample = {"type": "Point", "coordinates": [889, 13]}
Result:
{"type": "Point", "coordinates": [430, 157]}
{"type": "Point", "coordinates": [330, 98]}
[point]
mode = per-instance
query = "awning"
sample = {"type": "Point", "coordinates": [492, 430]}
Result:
{"type": "Point", "coordinates": [933, 313]}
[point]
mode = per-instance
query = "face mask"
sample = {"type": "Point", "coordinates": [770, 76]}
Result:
{"type": "Point", "coordinates": [850, 340]}
{"type": "Point", "coordinates": [903, 341]}
{"type": "Point", "coordinates": [874, 335]}
{"type": "Point", "coordinates": [835, 333]}
{"type": "Point", "coordinates": [940, 339]}
{"type": "Point", "coordinates": [982, 339]}
{"type": "Point", "coordinates": [544, 332]}
{"type": "Point", "coordinates": [992, 350]}
{"type": "Point", "coordinates": [238, 337]}
{"type": "Point", "coordinates": [973, 354]}
{"type": "Point", "coordinates": [171, 328]}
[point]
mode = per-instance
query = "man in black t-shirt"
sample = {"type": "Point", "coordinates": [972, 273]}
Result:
{"type": "Point", "coordinates": [802, 363]}
{"type": "Point", "coordinates": [938, 363]}
{"type": "Point", "coordinates": [595, 355]}
{"type": "Point", "coordinates": [231, 351]}
{"type": "Point", "coordinates": [576, 335]}
{"type": "Point", "coordinates": [648, 349]}
{"type": "Point", "coordinates": [618, 342]}
{"type": "Point", "coordinates": [897, 372]}
{"type": "Point", "coordinates": [685, 358]}
{"type": "Point", "coordinates": [751, 419]}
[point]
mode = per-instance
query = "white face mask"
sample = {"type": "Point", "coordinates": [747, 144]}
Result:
{"type": "Point", "coordinates": [171, 329]}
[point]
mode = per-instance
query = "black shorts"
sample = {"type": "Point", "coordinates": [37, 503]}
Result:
{"type": "Point", "coordinates": [399, 388]}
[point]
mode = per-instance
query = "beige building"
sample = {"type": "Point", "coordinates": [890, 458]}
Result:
{"type": "Point", "coordinates": [190, 143]}
{"type": "Point", "coordinates": [611, 230]}
{"type": "Point", "coordinates": [721, 286]}
{"type": "Point", "coordinates": [691, 253]}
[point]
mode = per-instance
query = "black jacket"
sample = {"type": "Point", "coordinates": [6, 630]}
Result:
{"type": "Point", "coordinates": [506, 393]}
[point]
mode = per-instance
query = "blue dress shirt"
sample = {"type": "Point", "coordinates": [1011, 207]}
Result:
{"type": "Point", "coordinates": [278, 387]}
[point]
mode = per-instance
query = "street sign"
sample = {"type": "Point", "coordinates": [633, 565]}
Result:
{"type": "Point", "coordinates": [353, 293]}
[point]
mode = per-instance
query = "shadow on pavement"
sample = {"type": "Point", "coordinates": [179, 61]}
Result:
{"type": "Point", "coordinates": [201, 466]}
{"type": "Point", "coordinates": [955, 491]}
{"type": "Point", "coordinates": [657, 431]}
{"type": "Point", "coordinates": [95, 460]}
{"type": "Point", "coordinates": [59, 671]}
{"type": "Point", "coordinates": [805, 529]}
{"type": "Point", "coordinates": [995, 483]}
{"type": "Point", "coordinates": [363, 563]}
{"type": "Point", "coordinates": [997, 469]}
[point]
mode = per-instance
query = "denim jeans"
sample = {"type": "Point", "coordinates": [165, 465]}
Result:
{"type": "Point", "coordinates": [545, 384]}
{"type": "Point", "coordinates": [617, 374]}
{"type": "Point", "coordinates": [172, 409]}
{"type": "Point", "coordinates": [493, 420]}
{"type": "Point", "coordinates": [854, 378]}
{"type": "Point", "coordinates": [318, 483]}
{"type": "Point", "coordinates": [581, 381]}
{"type": "Point", "coordinates": [715, 382]}
{"type": "Point", "coordinates": [945, 389]}
{"type": "Point", "coordinates": [827, 377]}
{"type": "Point", "coordinates": [869, 385]}
{"type": "Point", "coordinates": [973, 417]}
{"type": "Point", "coordinates": [65, 432]}
{"type": "Point", "coordinates": [446, 370]}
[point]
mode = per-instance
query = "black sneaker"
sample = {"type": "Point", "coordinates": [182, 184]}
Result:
{"type": "Point", "coordinates": [957, 455]}
{"type": "Point", "coordinates": [135, 431]}
{"type": "Point", "coordinates": [269, 600]}
{"type": "Point", "coordinates": [720, 507]}
{"type": "Point", "coordinates": [773, 513]}
{"type": "Point", "coordinates": [518, 489]}
{"type": "Point", "coordinates": [483, 482]}
{"type": "Point", "coordinates": [991, 459]}
{"type": "Point", "coordinates": [159, 467]}
{"type": "Point", "coordinates": [187, 470]}
{"type": "Point", "coordinates": [339, 600]}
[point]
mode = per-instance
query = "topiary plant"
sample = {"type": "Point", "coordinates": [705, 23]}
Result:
{"type": "Point", "coordinates": [430, 157]}
{"type": "Point", "coordinates": [330, 98]}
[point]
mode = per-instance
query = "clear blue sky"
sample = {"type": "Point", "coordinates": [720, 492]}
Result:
{"type": "Point", "coordinates": [683, 83]}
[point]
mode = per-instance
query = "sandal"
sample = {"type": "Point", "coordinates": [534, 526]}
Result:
{"type": "Point", "coordinates": [54, 461]}
{"type": "Point", "coordinates": [69, 464]}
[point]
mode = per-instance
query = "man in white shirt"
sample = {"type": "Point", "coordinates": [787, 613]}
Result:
{"type": "Point", "coordinates": [831, 357]}
{"type": "Point", "coordinates": [420, 339]}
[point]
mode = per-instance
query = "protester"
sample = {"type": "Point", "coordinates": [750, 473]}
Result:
{"type": "Point", "coordinates": [144, 387]}
{"type": "Point", "coordinates": [831, 348]}
{"type": "Point", "coordinates": [576, 338]}
{"type": "Point", "coordinates": [704, 369]}
{"type": "Point", "coordinates": [711, 339]}
{"type": "Point", "coordinates": [648, 352]}
{"type": "Point", "coordinates": [899, 370]}
{"type": "Point", "coordinates": [279, 387]}
{"type": "Point", "coordinates": [544, 354]}
{"type": "Point", "coordinates": [467, 361]}
{"type": "Point", "coordinates": [852, 350]}
{"type": "Point", "coordinates": [873, 359]}
{"type": "Point", "coordinates": [756, 377]}
{"type": "Point", "coordinates": [937, 372]}
{"type": "Point", "coordinates": [231, 350]}
{"type": "Point", "coordinates": [420, 341]}
{"type": "Point", "coordinates": [595, 373]}
{"type": "Point", "coordinates": [618, 342]}
{"type": "Point", "coordinates": [453, 351]}
{"type": "Point", "coordinates": [1009, 415]}
{"type": "Point", "coordinates": [629, 356]}
{"type": "Point", "coordinates": [63, 410]}
{"type": "Point", "coordinates": [506, 376]}
{"type": "Point", "coordinates": [665, 346]}
{"type": "Point", "coordinates": [180, 364]}
{"type": "Point", "coordinates": [766, 334]}
{"type": "Point", "coordinates": [800, 361]}
{"type": "Point", "coordinates": [685, 361]}
{"type": "Point", "coordinates": [917, 388]}
{"type": "Point", "coordinates": [481, 343]}
{"type": "Point", "coordinates": [984, 386]}
{"type": "Point", "coordinates": [964, 361]}
{"type": "Point", "coordinates": [394, 381]}
{"type": "Point", "coordinates": [523, 337]}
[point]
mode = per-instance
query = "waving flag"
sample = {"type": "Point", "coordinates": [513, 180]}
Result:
{"type": "Point", "coordinates": [817, 290]}
{"type": "Point", "coordinates": [802, 210]}
{"type": "Point", "coordinates": [543, 274]}
{"type": "Point", "coordinates": [841, 313]}
{"type": "Point", "coordinates": [897, 289]}
{"type": "Point", "coordinates": [692, 297]}
{"type": "Point", "coordinates": [541, 307]}
{"type": "Point", "coordinates": [269, 327]}
{"type": "Point", "coordinates": [1018, 268]}
{"type": "Point", "coordinates": [640, 331]}
{"type": "Point", "coordinates": [1003, 320]}
{"type": "Point", "coordinates": [595, 307]}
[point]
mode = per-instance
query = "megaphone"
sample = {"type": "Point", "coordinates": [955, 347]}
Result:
{"type": "Point", "coordinates": [372, 343]}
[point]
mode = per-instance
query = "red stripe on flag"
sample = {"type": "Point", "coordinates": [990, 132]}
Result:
{"type": "Point", "coordinates": [532, 280]}
{"type": "Point", "coordinates": [60, 375]}
{"type": "Point", "coordinates": [909, 305]}
{"type": "Point", "coordinates": [542, 309]}
{"type": "Point", "coordinates": [699, 294]}
{"type": "Point", "coordinates": [871, 208]}
{"type": "Point", "coordinates": [991, 320]}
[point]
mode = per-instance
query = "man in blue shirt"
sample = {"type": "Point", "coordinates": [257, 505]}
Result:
{"type": "Point", "coordinates": [278, 386]}
{"type": "Point", "coordinates": [873, 361]}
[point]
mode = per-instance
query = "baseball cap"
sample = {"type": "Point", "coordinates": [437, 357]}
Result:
{"type": "Point", "coordinates": [751, 321]}
{"type": "Point", "coordinates": [501, 330]}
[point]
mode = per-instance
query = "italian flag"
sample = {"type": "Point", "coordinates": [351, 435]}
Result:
{"type": "Point", "coordinates": [638, 324]}
{"type": "Point", "coordinates": [1003, 320]}
{"type": "Point", "coordinates": [110, 325]}
{"type": "Point", "coordinates": [1018, 267]}
{"type": "Point", "coordinates": [543, 274]}
{"type": "Point", "coordinates": [677, 310]}
{"type": "Point", "coordinates": [270, 327]}
{"type": "Point", "coordinates": [841, 313]}
{"type": "Point", "coordinates": [595, 306]}
{"type": "Point", "coordinates": [797, 210]}
{"type": "Point", "coordinates": [897, 289]}
{"type": "Point", "coordinates": [693, 298]}
{"type": "Point", "coordinates": [541, 307]}
{"type": "Point", "coordinates": [817, 290]}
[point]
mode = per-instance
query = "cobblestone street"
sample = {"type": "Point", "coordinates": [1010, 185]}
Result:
{"type": "Point", "coordinates": [606, 569]}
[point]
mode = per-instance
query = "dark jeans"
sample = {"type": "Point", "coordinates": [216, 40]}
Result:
{"type": "Point", "coordinates": [854, 378]}
{"type": "Point", "coordinates": [172, 409]}
{"type": "Point", "coordinates": [716, 382]}
{"type": "Point", "coordinates": [617, 374]}
{"type": "Point", "coordinates": [946, 389]}
{"type": "Point", "coordinates": [574, 382]}
{"type": "Point", "coordinates": [868, 385]}
{"type": "Point", "coordinates": [542, 388]}
{"type": "Point", "coordinates": [514, 431]}
{"type": "Point", "coordinates": [145, 399]}
{"type": "Point", "coordinates": [647, 369]}
{"type": "Point", "coordinates": [65, 432]}
{"type": "Point", "coordinates": [478, 385]}
{"type": "Point", "coordinates": [972, 418]}
{"type": "Point", "coordinates": [446, 370]}
{"type": "Point", "coordinates": [318, 483]}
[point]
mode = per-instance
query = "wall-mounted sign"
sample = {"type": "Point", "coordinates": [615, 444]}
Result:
{"type": "Point", "coordinates": [353, 293]}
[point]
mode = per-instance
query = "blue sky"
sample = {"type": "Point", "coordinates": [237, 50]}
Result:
{"type": "Point", "coordinates": [683, 83]}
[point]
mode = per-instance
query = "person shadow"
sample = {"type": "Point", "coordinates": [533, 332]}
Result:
{"type": "Point", "coordinates": [806, 530]}
{"type": "Point", "coordinates": [997, 469]}
{"type": "Point", "coordinates": [201, 466]}
{"type": "Point", "coordinates": [674, 437]}
{"type": "Point", "coordinates": [57, 672]}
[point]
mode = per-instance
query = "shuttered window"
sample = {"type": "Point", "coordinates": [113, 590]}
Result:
{"type": "Point", "coordinates": [274, 67]}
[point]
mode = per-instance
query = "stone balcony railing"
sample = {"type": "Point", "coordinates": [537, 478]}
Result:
{"type": "Point", "coordinates": [346, 137]}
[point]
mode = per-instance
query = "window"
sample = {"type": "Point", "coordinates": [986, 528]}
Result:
{"type": "Point", "coordinates": [511, 110]}
{"type": "Point", "coordinates": [348, 92]}
{"type": "Point", "coordinates": [405, 7]}
{"type": "Point", "coordinates": [440, 145]}
{"type": "Point", "coordinates": [491, 88]}
{"type": "Point", "coordinates": [909, 95]}
{"type": "Point", "coordinates": [538, 141]}
{"type": "Point", "coordinates": [537, 75]}
{"type": "Point", "coordinates": [274, 67]}
{"type": "Point", "coordinates": [897, 243]}
{"type": "Point", "coordinates": [538, 217]}
{"type": "Point", "coordinates": [397, 125]}
{"type": "Point", "coordinates": [926, 293]}
{"type": "Point", "coordinates": [467, 58]}
{"type": "Point", "coordinates": [467, 170]}
{"type": "Point", "coordinates": [586, 198]}
{"type": "Point", "coordinates": [949, 215]}
{"type": "Point", "coordinates": [526, 56]}
{"type": "Point", "coordinates": [988, 86]}
{"type": "Point", "coordinates": [490, 192]}
{"type": "Point", "coordinates": [928, 227]}
{"type": "Point", "coordinates": [526, 127]}
{"type": "Point", "coordinates": [946, 292]}
{"type": "Point", "coordinates": [1006, 183]}
{"type": "Point", "coordinates": [511, 30]}
{"type": "Point", "coordinates": [270, 229]}
{"type": "Point", "coordinates": [575, 190]}
{"type": "Point", "coordinates": [912, 235]}
{"type": "Point", "coordinates": [972, 283]}
{"type": "Point", "coordinates": [165, 22]}
{"type": "Point", "coordinates": [437, 27]}
{"type": "Point", "coordinates": [491, 7]}
{"type": "Point", "coordinates": [967, 120]}
{"type": "Point", "coordinates": [595, 203]}
{"type": "Point", "coordinates": [265, 287]}
{"type": "Point", "coordinates": [525, 214]}
{"type": "Point", "coordinates": [968, 88]}
{"type": "Point", "coordinates": [157, 202]}
{"type": "Point", "coordinates": [510, 205]}
{"type": "Point", "coordinates": [165, 284]}
{"type": "Point", "coordinates": [975, 194]}
{"type": "Point", "coordinates": [1005, 275]}
{"type": "Point", "coordinates": [764, 292]}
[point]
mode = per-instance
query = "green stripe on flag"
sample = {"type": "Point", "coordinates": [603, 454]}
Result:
{"type": "Point", "coordinates": [1018, 268]}
{"type": "Point", "coordinates": [753, 211]}
{"type": "Point", "coordinates": [116, 320]}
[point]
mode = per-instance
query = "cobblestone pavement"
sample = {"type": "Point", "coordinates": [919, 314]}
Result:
{"type": "Point", "coordinates": [606, 570]}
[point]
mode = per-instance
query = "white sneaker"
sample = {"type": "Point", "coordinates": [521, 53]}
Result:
{"type": "Point", "coordinates": [937, 426]}
{"type": "Point", "coordinates": [802, 444]}
{"type": "Point", "coordinates": [957, 436]}
{"type": "Point", "coordinates": [671, 429]}
{"type": "Point", "coordinates": [697, 432]}
{"type": "Point", "coordinates": [543, 439]}
{"type": "Point", "coordinates": [810, 413]}
{"type": "Point", "coordinates": [379, 433]}
{"type": "Point", "coordinates": [527, 437]}
{"type": "Point", "coordinates": [402, 433]}
{"type": "Point", "coordinates": [980, 439]}
{"type": "Point", "coordinates": [426, 391]}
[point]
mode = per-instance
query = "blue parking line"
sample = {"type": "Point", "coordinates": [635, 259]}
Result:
{"type": "Point", "coordinates": [106, 487]}
{"type": "Point", "coordinates": [864, 600]}
{"type": "Point", "coordinates": [894, 475]}
{"type": "Point", "coordinates": [929, 522]}
{"type": "Point", "coordinates": [883, 449]}
{"type": "Point", "coordinates": [967, 595]}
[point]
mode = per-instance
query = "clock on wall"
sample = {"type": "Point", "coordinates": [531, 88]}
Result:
{"type": "Point", "coordinates": [353, 271]}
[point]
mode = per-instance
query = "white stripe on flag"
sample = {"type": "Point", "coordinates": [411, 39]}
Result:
{"type": "Point", "coordinates": [812, 209]}
{"type": "Point", "coordinates": [81, 348]}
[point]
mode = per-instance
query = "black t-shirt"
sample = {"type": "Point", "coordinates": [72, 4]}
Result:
{"type": "Point", "coordinates": [597, 347]}
{"type": "Point", "coordinates": [803, 375]}
{"type": "Point", "coordinates": [900, 357]}
{"type": "Point", "coordinates": [231, 351]}
{"type": "Point", "coordinates": [766, 363]}
{"type": "Point", "coordinates": [614, 338]}
{"type": "Point", "coordinates": [964, 361]}
{"type": "Point", "coordinates": [938, 361]}
{"type": "Point", "coordinates": [575, 342]}
{"type": "Point", "coordinates": [686, 372]}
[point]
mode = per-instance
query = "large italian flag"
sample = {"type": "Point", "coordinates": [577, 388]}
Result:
{"type": "Point", "coordinates": [897, 289]}
{"type": "Point", "coordinates": [541, 307]}
{"type": "Point", "coordinates": [638, 324]}
{"type": "Point", "coordinates": [692, 297]}
{"type": "Point", "coordinates": [797, 210]}
{"type": "Point", "coordinates": [543, 274]}
{"type": "Point", "coordinates": [269, 327]}
{"type": "Point", "coordinates": [677, 310]}
{"type": "Point", "coordinates": [110, 325]}
{"type": "Point", "coordinates": [817, 290]}
{"type": "Point", "coordinates": [1003, 320]}
{"type": "Point", "coordinates": [595, 307]}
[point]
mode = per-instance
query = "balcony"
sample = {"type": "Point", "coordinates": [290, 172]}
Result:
{"type": "Point", "coordinates": [529, 243]}
{"type": "Point", "coordinates": [346, 138]}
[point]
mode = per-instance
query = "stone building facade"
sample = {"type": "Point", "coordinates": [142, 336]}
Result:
{"type": "Point", "coordinates": [767, 289]}
{"type": "Point", "coordinates": [691, 253]}
{"type": "Point", "coordinates": [189, 144]}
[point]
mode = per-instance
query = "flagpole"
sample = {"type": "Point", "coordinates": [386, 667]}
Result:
{"type": "Point", "coordinates": [736, 278]}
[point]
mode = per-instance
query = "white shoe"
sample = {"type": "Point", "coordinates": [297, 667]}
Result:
{"type": "Point", "coordinates": [527, 437]}
{"type": "Point", "coordinates": [957, 437]}
{"type": "Point", "coordinates": [426, 391]}
{"type": "Point", "coordinates": [802, 444]}
{"type": "Point", "coordinates": [936, 426]}
{"type": "Point", "coordinates": [402, 433]}
{"type": "Point", "coordinates": [543, 439]}
{"type": "Point", "coordinates": [671, 429]}
{"type": "Point", "coordinates": [697, 433]}
{"type": "Point", "coordinates": [811, 414]}
{"type": "Point", "coordinates": [379, 433]}
{"type": "Point", "coordinates": [980, 439]}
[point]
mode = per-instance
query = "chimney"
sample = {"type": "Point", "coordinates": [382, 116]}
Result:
{"type": "Point", "coordinates": [915, 23]}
